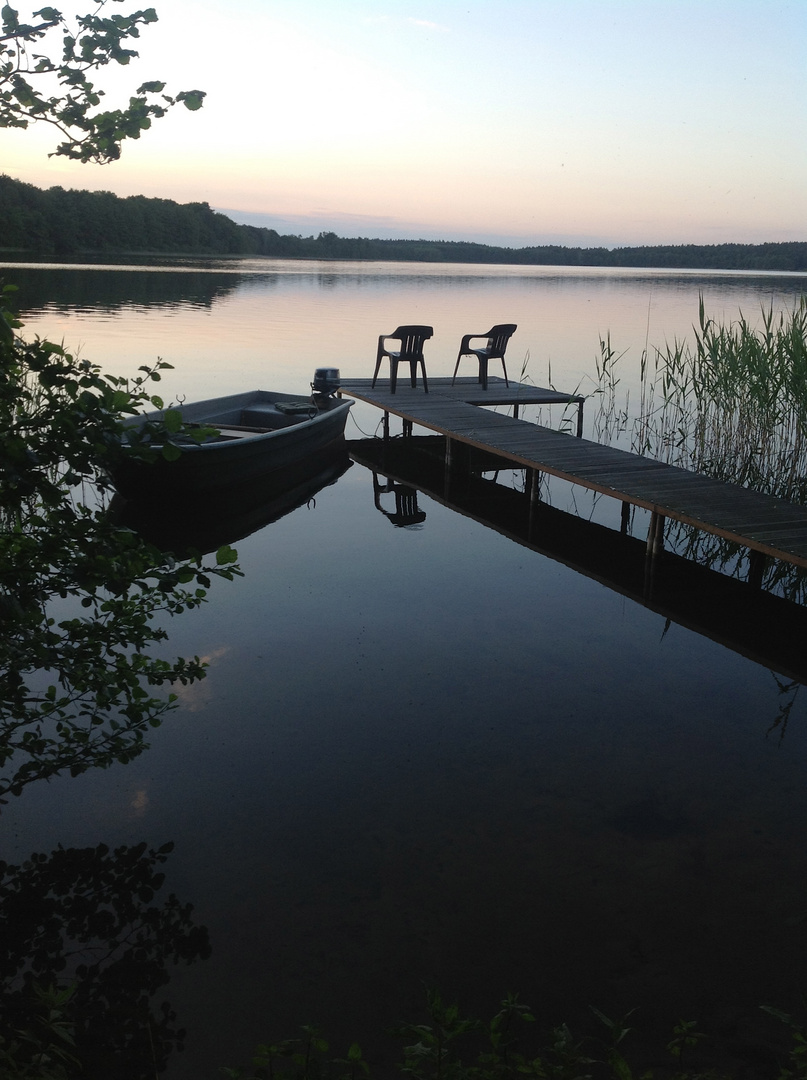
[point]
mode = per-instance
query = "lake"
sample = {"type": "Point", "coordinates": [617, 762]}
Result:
{"type": "Point", "coordinates": [432, 756]}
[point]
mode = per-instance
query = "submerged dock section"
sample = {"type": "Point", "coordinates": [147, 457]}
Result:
{"type": "Point", "coordinates": [762, 523]}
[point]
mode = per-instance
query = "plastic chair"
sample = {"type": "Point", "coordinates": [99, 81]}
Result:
{"type": "Point", "coordinates": [410, 352]}
{"type": "Point", "coordinates": [497, 338]}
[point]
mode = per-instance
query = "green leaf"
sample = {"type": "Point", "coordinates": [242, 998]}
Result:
{"type": "Point", "coordinates": [226, 555]}
{"type": "Point", "coordinates": [173, 421]}
{"type": "Point", "coordinates": [170, 452]}
{"type": "Point", "coordinates": [10, 19]}
{"type": "Point", "coordinates": [192, 99]}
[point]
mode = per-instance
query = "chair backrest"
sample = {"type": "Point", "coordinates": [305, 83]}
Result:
{"type": "Point", "coordinates": [498, 337]}
{"type": "Point", "coordinates": [411, 339]}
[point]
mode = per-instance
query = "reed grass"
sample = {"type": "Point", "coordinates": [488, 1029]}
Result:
{"type": "Point", "coordinates": [730, 402]}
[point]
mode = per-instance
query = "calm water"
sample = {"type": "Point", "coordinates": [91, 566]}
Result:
{"type": "Point", "coordinates": [432, 755]}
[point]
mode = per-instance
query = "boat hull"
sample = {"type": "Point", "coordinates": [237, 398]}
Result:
{"type": "Point", "coordinates": [258, 437]}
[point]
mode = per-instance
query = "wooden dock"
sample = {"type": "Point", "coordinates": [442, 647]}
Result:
{"type": "Point", "coordinates": [759, 625]}
{"type": "Point", "coordinates": [761, 523]}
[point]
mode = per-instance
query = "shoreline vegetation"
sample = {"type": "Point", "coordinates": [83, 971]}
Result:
{"type": "Point", "coordinates": [65, 223]}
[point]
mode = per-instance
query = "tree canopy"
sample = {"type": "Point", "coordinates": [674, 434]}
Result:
{"type": "Point", "coordinates": [66, 221]}
{"type": "Point", "coordinates": [45, 66]}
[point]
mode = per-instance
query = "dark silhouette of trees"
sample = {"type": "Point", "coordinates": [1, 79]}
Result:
{"type": "Point", "coordinates": [64, 223]}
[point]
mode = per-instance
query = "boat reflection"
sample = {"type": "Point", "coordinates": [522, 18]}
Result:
{"type": "Point", "coordinates": [195, 524]}
{"type": "Point", "coordinates": [759, 625]}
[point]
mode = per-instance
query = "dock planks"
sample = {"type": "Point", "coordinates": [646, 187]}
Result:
{"type": "Point", "coordinates": [760, 522]}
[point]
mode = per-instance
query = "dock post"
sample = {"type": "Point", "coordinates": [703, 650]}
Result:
{"type": "Point", "coordinates": [580, 418]}
{"type": "Point", "coordinates": [386, 426]}
{"type": "Point", "coordinates": [448, 467]}
{"type": "Point", "coordinates": [655, 544]}
{"type": "Point", "coordinates": [534, 485]}
{"type": "Point", "coordinates": [625, 522]}
{"type": "Point", "coordinates": [534, 496]}
{"type": "Point", "coordinates": [655, 534]}
{"type": "Point", "coordinates": [756, 568]}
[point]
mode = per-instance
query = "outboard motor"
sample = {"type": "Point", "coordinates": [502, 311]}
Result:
{"type": "Point", "coordinates": [325, 384]}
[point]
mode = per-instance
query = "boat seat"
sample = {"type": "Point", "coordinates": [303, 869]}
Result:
{"type": "Point", "coordinates": [234, 431]}
{"type": "Point", "coordinates": [265, 415]}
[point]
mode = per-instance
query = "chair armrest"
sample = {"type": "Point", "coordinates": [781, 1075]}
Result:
{"type": "Point", "coordinates": [465, 344]}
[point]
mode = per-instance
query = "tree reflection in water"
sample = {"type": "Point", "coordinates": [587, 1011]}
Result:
{"type": "Point", "coordinates": [90, 918]}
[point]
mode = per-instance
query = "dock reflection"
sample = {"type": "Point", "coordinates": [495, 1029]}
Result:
{"type": "Point", "coordinates": [759, 625]}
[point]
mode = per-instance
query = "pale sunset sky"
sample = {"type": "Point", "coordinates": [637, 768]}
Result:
{"type": "Point", "coordinates": [513, 122]}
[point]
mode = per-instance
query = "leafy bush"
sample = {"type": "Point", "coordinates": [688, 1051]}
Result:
{"type": "Point", "coordinates": [79, 594]}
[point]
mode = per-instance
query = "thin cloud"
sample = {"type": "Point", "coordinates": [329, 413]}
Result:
{"type": "Point", "coordinates": [388, 20]}
{"type": "Point", "coordinates": [428, 25]}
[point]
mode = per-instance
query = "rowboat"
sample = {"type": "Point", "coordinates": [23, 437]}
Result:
{"type": "Point", "coordinates": [256, 434]}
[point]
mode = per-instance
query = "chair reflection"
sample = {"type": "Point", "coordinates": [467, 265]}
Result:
{"type": "Point", "coordinates": [497, 338]}
{"type": "Point", "coordinates": [407, 513]}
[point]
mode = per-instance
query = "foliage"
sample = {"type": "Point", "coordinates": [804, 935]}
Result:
{"type": "Point", "coordinates": [84, 947]}
{"type": "Point", "coordinates": [79, 594]}
{"type": "Point", "coordinates": [734, 404]}
{"type": "Point", "coordinates": [65, 222]}
{"type": "Point", "coordinates": [40, 1046]}
{"type": "Point", "coordinates": [796, 1068]}
{"type": "Point", "coordinates": [731, 404]}
{"type": "Point", "coordinates": [453, 1047]}
{"type": "Point", "coordinates": [45, 64]}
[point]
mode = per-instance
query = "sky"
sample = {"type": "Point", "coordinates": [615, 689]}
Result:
{"type": "Point", "coordinates": [514, 122]}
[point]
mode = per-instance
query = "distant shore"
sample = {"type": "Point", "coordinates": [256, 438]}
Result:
{"type": "Point", "coordinates": [59, 224]}
{"type": "Point", "coordinates": [168, 260]}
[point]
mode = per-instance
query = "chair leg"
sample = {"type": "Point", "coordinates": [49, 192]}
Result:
{"type": "Point", "coordinates": [425, 384]}
{"type": "Point", "coordinates": [413, 373]}
{"type": "Point", "coordinates": [483, 372]}
{"type": "Point", "coordinates": [504, 369]}
{"type": "Point", "coordinates": [456, 368]}
{"type": "Point", "coordinates": [377, 368]}
{"type": "Point", "coordinates": [393, 375]}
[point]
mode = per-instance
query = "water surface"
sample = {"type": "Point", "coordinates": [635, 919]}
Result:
{"type": "Point", "coordinates": [432, 756]}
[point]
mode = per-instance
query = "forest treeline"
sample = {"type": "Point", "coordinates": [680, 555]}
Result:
{"type": "Point", "coordinates": [65, 223]}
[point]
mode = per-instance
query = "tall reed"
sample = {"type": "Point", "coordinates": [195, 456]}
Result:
{"type": "Point", "coordinates": [730, 403]}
